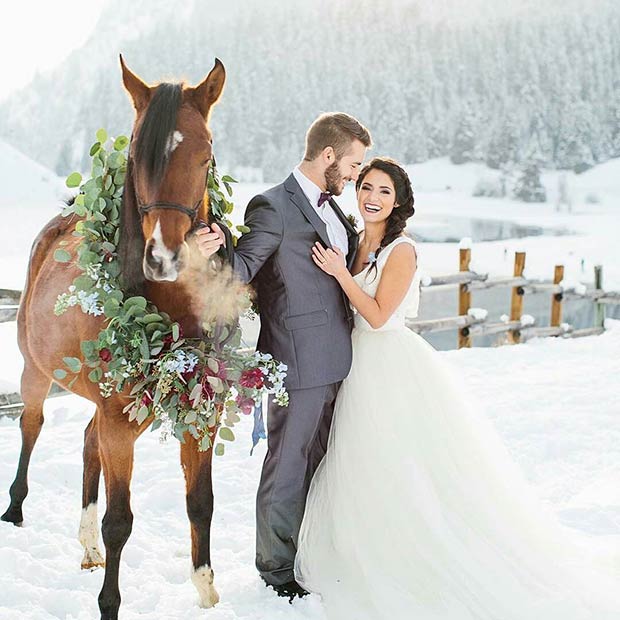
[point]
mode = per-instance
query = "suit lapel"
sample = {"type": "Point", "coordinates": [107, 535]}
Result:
{"type": "Point", "coordinates": [299, 199]}
{"type": "Point", "coordinates": [352, 234]}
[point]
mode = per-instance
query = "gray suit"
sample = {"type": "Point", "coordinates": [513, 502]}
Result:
{"type": "Point", "coordinates": [305, 323]}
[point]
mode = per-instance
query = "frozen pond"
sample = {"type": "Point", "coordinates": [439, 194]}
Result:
{"type": "Point", "coordinates": [451, 229]}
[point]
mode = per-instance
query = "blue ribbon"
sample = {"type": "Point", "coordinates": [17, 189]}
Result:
{"type": "Point", "coordinates": [258, 432]}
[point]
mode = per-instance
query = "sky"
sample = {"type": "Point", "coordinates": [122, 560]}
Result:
{"type": "Point", "coordinates": [37, 35]}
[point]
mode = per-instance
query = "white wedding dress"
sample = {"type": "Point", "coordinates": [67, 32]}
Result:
{"type": "Point", "coordinates": [417, 511]}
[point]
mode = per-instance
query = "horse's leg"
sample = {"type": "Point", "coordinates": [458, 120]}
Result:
{"type": "Point", "coordinates": [117, 436]}
{"type": "Point", "coordinates": [34, 388]}
{"type": "Point", "coordinates": [199, 499]}
{"type": "Point", "coordinates": [89, 526]}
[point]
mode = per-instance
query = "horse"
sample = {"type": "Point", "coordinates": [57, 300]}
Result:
{"type": "Point", "coordinates": [164, 200]}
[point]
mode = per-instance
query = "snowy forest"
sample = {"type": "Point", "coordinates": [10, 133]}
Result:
{"type": "Point", "coordinates": [502, 86]}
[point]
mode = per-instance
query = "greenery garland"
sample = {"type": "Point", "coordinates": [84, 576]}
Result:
{"type": "Point", "coordinates": [188, 385]}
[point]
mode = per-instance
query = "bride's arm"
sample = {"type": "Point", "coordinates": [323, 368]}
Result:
{"type": "Point", "coordinates": [396, 279]}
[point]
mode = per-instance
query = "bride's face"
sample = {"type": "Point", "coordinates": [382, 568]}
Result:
{"type": "Point", "coordinates": [376, 197]}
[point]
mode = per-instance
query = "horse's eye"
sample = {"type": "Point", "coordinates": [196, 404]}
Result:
{"type": "Point", "coordinates": [206, 162]}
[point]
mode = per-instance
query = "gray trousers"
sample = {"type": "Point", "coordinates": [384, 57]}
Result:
{"type": "Point", "coordinates": [296, 442]}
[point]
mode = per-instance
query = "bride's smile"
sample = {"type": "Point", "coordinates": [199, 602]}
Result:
{"type": "Point", "coordinates": [376, 197]}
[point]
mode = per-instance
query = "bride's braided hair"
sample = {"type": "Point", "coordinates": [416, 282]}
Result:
{"type": "Point", "coordinates": [397, 220]}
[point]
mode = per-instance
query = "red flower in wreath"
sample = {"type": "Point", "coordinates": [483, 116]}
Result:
{"type": "Point", "coordinates": [252, 379]}
{"type": "Point", "coordinates": [105, 355]}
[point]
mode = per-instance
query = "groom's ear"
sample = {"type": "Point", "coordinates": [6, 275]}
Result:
{"type": "Point", "coordinates": [329, 155]}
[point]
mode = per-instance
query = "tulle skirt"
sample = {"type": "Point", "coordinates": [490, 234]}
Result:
{"type": "Point", "coordinates": [418, 512]}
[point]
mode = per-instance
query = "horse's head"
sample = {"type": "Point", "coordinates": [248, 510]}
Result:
{"type": "Point", "coordinates": [169, 157]}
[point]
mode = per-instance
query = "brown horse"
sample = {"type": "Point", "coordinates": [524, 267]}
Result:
{"type": "Point", "coordinates": [163, 201]}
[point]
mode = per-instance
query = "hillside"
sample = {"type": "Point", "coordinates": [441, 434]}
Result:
{"type": "Point", "coordinates": [497, 84]}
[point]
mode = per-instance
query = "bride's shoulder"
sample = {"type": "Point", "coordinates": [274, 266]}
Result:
{"type": "Point", "coordinates": [402, 251]}
{"type": "Point", "coordinates": [402, 245]}
{"type": "Point", "coordinates": [404, 238]}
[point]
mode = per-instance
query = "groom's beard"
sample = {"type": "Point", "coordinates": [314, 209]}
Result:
{"type": "Point", "coordinates": [333, 179]}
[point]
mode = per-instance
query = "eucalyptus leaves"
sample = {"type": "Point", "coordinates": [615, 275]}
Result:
{"type": "Point", "coordinates": [186, 385]}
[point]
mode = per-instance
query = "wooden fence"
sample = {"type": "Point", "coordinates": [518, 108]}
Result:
{"type": "Point", "coordinates": [516, 328]}
{"type": "Point", "coordinates": [468, 322]}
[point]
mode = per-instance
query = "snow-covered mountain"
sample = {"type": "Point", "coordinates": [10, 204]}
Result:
{"type": "Point", "coordinates": [498, 83]}
{"type": "Point", "coordinates": [25, 182]}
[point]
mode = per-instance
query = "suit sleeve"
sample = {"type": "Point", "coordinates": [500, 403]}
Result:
{"type": "Point", "coordinates": [255, 247]}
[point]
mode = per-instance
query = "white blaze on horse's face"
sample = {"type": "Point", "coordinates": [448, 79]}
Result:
{"type": "Point", "coordinates": [160, 263]}
{"type": "Point", "coordinates": [175, 138]}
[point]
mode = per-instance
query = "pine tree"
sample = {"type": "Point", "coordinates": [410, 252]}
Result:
{"type": "Point", "coordinates": [503, 148]}
{"type": "Point", "coordinates": [463, 143]}
{"type": "Point", "coordinates": [528, 187]}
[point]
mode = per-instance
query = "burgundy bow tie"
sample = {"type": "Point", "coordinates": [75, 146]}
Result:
{"type": "Point", "coordinates": [324, 197]}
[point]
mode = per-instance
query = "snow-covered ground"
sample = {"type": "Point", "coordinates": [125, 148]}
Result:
{"type": "Point", "coordinates": [555, 402]}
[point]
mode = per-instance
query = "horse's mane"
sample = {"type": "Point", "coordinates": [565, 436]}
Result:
{"type": "Point", "coordinates": [160, 120]}
{"type": "Point", "coordinates": [131, 240]}
{"type": "Point", "coordinates": [151, 156]}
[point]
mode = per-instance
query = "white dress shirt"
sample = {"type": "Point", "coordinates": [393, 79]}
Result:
{"type": "Point", "coordinates": [336, 231]}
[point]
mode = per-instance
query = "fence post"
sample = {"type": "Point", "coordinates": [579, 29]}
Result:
{"type": "Point", "coordinates": [599, 309]}
{"type": "Point", "coordinates": [464, 339]}
{"type": "Point", "coordinates": [516, 302]}
{"type": "Point", "coordinates": [556, 300]}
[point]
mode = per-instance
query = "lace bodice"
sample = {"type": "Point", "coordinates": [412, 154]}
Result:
{"type": "Point", "coordinates": [370, 283]}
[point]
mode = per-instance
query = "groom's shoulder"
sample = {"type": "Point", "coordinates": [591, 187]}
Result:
{"type": "Point", "coordinates": [275, 195]}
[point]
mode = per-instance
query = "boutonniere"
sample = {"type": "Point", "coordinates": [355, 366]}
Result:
{"type": "Point", "coordinates": [352, 220]}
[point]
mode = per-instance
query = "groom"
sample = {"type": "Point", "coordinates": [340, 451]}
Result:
{"type": "Point", "coordinates": [305, 323]}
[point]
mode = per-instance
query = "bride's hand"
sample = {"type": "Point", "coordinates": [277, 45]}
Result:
{"type": "Point", "coordinates": [330, 261]}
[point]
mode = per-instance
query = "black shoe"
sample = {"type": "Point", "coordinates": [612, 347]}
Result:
{"type": "Point", "coordinates": [290, 590]}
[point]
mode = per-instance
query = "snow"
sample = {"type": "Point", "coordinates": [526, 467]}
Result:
{"type": "Point", "coordinates": [551, 400]}
{"type": "Point", "coordinates": [480, 314]}
{"type": "Point", "coordinates": [23, 180]}
{"type": "Point", "coordinates": [554, 402]}
{"type": "Point", "coordinates": [465, 243]}
{"type": "Point", "coordinates": [527, 319]}
{"type": "Point", "coordinates": [594, 227]}
{"type": "Point", "coordinates": [30, 195]}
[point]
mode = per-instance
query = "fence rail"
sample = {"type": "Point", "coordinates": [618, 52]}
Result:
{"type": "Point", "coordinates": [468, 282]}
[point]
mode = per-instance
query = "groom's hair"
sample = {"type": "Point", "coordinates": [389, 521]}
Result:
{"type": "Point", "coordinates": [335, 129]}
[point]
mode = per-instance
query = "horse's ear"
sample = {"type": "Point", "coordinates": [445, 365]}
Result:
{"type": "Point", "coordinates": [139, 92]}
{"type": "Point", "coordinates": [210, 89]}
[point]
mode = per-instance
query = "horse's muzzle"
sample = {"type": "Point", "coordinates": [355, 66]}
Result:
{"type": "Point", "coordinates": [161, 266]}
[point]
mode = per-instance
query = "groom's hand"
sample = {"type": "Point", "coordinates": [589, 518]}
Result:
{"type": "Point", "coordinates": [210, 239]}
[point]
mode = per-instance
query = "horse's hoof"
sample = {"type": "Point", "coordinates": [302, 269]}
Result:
{"type": "Point", "coordinates": [203, 580]}
{"type": "Point", "coordinates": [211, 601]}
{"type": "Point", "coordinates": [90, 565]}
{"type": "Point", "coordinates": [13, 516]}
{"type": "Point", "coordinates": [92, 559]}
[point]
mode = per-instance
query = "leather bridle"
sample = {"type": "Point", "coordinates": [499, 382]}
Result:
{"type": "Point", "coordinates": [192, 213]}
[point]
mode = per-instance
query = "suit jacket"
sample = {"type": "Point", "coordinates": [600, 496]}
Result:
{"type": "Point", "coordinates": [305, 317]}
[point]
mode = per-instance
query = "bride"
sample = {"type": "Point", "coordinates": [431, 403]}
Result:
{"type": "Point", "coordinates": [417, 511]}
